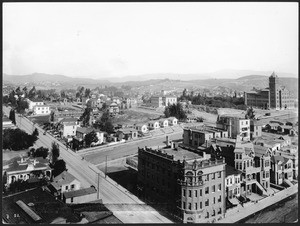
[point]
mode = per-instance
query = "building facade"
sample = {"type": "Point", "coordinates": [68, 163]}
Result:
{"type": "Point", "coordinates": [274, 96]}
{"type": "Point", "coordinates": [192, 187]}
{"type": "Point", "coordinates": [235, 125]}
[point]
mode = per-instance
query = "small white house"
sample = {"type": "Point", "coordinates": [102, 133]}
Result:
{"type": "Point", "coordinates": [153, 125]}
{"type": "Point", "coordinates": [163, 123]}
{"type": "Point", "coordinates": [41, 110]}
{"type": "Point", "coordinates": [141, 128]}
{"type": "Point", "coordinates": [172, 121]}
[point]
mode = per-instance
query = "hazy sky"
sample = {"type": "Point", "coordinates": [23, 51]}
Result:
{"type": "Point", "coordinates": [116, 39]}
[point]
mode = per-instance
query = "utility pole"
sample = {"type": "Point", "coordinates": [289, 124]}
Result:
{"type": "Point", "coordinates": [106, 166]}
{"type": "Point", "coordinates": [98, 192]}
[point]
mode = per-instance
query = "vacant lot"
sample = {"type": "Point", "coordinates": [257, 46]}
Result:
{"type": "Point", "coordinates": [40, 120]}
{"type": "Point", "coordinates": [133, 116]}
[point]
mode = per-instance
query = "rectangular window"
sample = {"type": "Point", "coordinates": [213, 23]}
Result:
{"type": "Point", "coordinates": [206, 190]}
{"type": "Point", "coordinates": [200, 205]}
{"type": "Point", "coordinates": [207, 202]}
{"type": "Point", "coordinates": [200, 192]}
{"type": "Point", "coordinates": [72, 199]}
{"type": "Point", "coordinates": [184, 193]}
{"type": "Point", "coordinates": [214, 200]}
{"type": "Point", "coordinates": [213, 188]}
{"type": "Point", "coordinates": [220, 198]}
{"type": "Point", "coordinates": [196, 193]}
{"type": "Point", "coordinates": [190, 193]}
{"type": "Point", "coordinates": [183, 205]}
{"type": "Point", "coordinates": [219, 187]}
{"type": "Point", "coordinates": [67, 187]}
{"type": "Point", "coordinates": [207, 177]}
{"type": "Point", "coordinates": [219, 174]}
{"type": "Point", "coordinates": [196, 206]}
{"type": "Point", "coordinates": [213, 176]}
{"type": "Point", "coordinates": [190, 206]}
{"type": "Point", "coordinates": [73, 186]}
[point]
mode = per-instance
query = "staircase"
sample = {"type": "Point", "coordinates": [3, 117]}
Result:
{"type": "Point", "coordinates": [288, 183]}
{"type": "Point", "coordinates": [264, 191]}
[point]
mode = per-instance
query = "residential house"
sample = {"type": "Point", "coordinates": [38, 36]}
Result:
{"type": "Point", "coordinates": [286, 129]}
{"type": "Point", "coordinates": [173, 121]}
{"type": "Point", "coordinates": [232, 182]}
{"type": "Point", "coordinates": [62, 183]}
{"type": "Point", "coordinates": [82, 195]}
{"type": "Point", "coordinates": [82, 131]}
{"type": "Point", "coordinates": [163, 122]}
{"type": "Point", "coordinates": [281, 169]}
{"type": "Point", "coordinates": [141, 127]}
{"type": "Point", "coordinates": [253, 166]}
{"type": "Point", "coordinates": [235, 125]}
{"type": "Point", "coordinates": [255, 129]}
{"type": "Point", "coordinates": [25, 168]}
{"type": "Point", "coordinates": [34, 102]}
{"type": "Point", "coordinates": [67, 127]}
{"type": "Point", "coordinates": [127, 134]}
{"type": "Point", "coordinates": [41, 110]}
{"type": "Point", "coordinates": [153, 124]}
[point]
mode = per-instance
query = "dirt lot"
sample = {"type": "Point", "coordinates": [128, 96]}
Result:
{"type": "Point", "coordinates": [135, 116]}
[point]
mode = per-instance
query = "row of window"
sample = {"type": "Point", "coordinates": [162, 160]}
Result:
{"type": "Point", "coordinates": [206, 191]}
{"type": "Point", "coordinates": [200, 206]}
{"type": "Point", "coordinates": [230, 180]}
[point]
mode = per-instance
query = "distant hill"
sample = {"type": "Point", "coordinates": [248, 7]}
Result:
{"type": "Point", "coordinates": [42, 78]}
{"type": "Point", "coordinates": [169, 81]}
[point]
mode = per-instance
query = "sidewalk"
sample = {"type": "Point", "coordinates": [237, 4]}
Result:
{"type": "Point", "coordinates": [238, 213]}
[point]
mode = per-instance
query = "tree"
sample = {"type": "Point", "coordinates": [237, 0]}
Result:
{"type": "Point", "coordinates": [32, 93]}
{"type": "Point", "coordinates": [12, 116]}
{"type": "Point", "coordinates": [87, 92]}
{"type": "Point", "coordinates": [52, 116]}
{"type": "Point", "coordinates": [90, 138]}
{"type": "Point", "coordinates": [58, 167]}
{"type": "Point", "coordinates": [40, 152]}
{"type": "Point", "coordinates": [85, 117]}
{"type": "Point", "coordinates": [175, 110]}
{"type": "Point", "coordinates": [55, 152]}
{"type": "Point", "coordinates": [21, 105]}
{"type": "Point", "coordinates": [16, 139]}
{"type": "Point", "coordinates": [250, 113]}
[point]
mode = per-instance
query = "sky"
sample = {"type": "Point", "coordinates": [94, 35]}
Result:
{"type": "Point", "coordinates": [100, 40]}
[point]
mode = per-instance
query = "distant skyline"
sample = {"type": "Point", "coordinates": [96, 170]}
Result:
{"type": "Point", "coordinates": [100, 40]}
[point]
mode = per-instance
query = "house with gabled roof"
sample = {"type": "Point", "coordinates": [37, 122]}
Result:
{"type": "Point", "coordinates": [24, 168]}
{"type": "Point", "coordinates": [163, 122]}
{"type": "Point", "coordinates": [64, 182]}
{"type": "Point", "coordinates": [173, 121]}
{"type": "Point", "coordinates": [141, 127]}
{"type": "Point", "coordinates": [281, 169]}
{"type": "Point", "coordinates": [153, 124]}
{"type": "Point", "coordinates": [127, 134]}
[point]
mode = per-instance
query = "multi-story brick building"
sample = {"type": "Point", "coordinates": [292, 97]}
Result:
{"type": "Point", "coordinates": [191, 185]}
{"type": "Point", "coordinates": [258, 98]}
{"type": "Point", "coordinates": [236, 125]}
{"type": "Point", "coordinates": [274, 96]}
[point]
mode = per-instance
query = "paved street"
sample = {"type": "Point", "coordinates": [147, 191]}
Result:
{"type": "Point", "coordinates": [130, 148]}
{"type": "Point", "coordinates": [87, 174]}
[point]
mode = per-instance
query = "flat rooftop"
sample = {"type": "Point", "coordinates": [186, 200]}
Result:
{"type": "Point", "coordinates": [179, 154]}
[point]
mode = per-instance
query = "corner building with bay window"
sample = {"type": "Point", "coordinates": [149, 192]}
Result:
{"type": "Point", "coordinates": [191, 185]}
